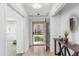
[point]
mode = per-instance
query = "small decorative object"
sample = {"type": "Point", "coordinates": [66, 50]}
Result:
{"type": "Point", "coordinates": [66, 35]}
{"type": "Point", "coordinates": [65, 40]}
{"type": "Point", "coordinates": [73, 22]}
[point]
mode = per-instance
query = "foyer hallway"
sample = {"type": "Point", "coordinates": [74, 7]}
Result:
{"type": "Point", "coordinates": [16, 27]}
{"type": "Point", "coordinates": [38, 51]}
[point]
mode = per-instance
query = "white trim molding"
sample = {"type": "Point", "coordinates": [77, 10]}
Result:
{"type": "Point", "coordinates": [56, 8]}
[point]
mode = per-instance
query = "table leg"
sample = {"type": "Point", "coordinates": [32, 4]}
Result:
{"type": "Point", "coordinates": [64, 51]}
{"type": "Point", "coordinates": [55, 46]}
{"type": "Point", "coordinates": [60, 49]}
{"type": "Point", "coordinates": [68, 51]}
{"type": "Point", "coordinates": [76, 53]}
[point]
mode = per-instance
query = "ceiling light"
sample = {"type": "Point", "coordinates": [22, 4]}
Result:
{"type": "Point", "coordinates": [36, 6]}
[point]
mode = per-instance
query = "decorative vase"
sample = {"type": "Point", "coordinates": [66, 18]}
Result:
{"type": "Point", "coordinates": [66, 40]}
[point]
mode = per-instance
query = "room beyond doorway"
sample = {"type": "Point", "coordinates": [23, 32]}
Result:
{"type": "Point", "coordinates": [39, 32]}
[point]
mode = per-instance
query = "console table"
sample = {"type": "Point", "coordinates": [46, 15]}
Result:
{"type": "Point", "coordinates": [63, 47]}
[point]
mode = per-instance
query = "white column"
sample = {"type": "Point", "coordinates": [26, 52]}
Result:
{"type": "Point", "coordinates": [51, 34]}
{"type": "Point", "coordinates": [26, 34]}
{"type": "Point", "coordinates": [20, 39]}
{"type": "Point", "coordinates": [2, 29]}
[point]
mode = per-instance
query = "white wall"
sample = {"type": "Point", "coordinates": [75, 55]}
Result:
{"type": "Point", "coordinates": [60, 22]}
{"type": "Point", "coordinates": [2, 29]}
{"type": "Point", "coordinates": [68, 11]}
{"type": "Point", "coordinates": [55, 29]}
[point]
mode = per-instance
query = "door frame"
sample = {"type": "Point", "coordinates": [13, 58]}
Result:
{"type": "Point", "coordinates": [36, 22]}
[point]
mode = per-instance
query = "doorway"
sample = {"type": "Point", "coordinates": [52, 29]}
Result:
{"type": "Point", "coordinates": [11, 37]}
{"type": "Point", "coordinates": [39, 32]}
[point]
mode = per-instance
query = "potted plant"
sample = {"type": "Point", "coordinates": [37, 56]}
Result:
{"type": "Point", "coordinates": [66, 32]}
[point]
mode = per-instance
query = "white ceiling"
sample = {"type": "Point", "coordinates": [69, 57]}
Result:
{"type": "Point", "coordinates": [44, 11]}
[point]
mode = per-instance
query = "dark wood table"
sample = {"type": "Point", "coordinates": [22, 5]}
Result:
{"type": "Point", "coordinates": [63, 47]}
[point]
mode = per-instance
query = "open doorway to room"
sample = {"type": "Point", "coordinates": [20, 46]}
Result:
{"type": "Point", "coordinates": [11, 37]}
{"type": "Point", "coordinates": [39, 32]}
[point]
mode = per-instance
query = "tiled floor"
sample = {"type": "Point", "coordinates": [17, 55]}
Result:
{"type": "Point", "coordinates": [38, 51]}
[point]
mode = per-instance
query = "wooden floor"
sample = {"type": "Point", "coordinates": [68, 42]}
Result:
{"type": "Point", "coordinates": [38, 51]}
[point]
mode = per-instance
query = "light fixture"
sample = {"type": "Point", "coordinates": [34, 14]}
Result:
{"type": "Point", "coordinates": [36, 6]}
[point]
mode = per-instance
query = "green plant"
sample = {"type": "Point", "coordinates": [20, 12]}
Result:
{"type": "Point", "coordinates": [66, 33]}
{"type": "Point", "coordinates": [38, 38]}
